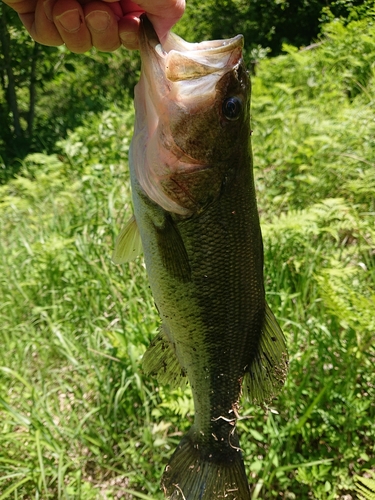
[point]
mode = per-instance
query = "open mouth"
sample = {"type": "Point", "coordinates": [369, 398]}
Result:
{"type": "Point", "coordinates": [179, 60]}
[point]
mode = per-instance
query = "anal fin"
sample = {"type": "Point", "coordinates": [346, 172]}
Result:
{"type": "Point", "coordinates": [160, 361]}
{"type": "Point", "coordinates": [267, 372]}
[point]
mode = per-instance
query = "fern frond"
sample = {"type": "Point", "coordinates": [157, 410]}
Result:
{"type": "Point", "coordinates": [365, 487]}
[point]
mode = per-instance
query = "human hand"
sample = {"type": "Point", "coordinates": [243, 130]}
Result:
{"type": "Point", "coordinates": [104, 24]}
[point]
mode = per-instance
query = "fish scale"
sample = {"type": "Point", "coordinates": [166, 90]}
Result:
{"type": "Point", "coordinates": [222, 298]}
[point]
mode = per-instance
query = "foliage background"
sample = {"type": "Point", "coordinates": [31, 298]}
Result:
{"type": "Point", "coordinates": [78, 419]}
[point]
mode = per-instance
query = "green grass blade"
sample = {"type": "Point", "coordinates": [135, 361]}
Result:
{"type": "Point", "coordinates": [14, 487]}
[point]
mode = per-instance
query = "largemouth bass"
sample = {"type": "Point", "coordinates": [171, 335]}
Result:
{"type": "Point", "coordinates": [196, 214]}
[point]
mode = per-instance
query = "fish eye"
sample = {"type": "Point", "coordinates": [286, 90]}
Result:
{"type": "Point", "coordinates": [232, 107]}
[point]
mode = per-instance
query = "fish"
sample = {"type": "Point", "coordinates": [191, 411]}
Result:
{"type": "Point", "coordinates": [196, 219]}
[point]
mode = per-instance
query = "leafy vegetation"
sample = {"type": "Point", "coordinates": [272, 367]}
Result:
{"type": "Point", "coordinates": [78, 418]}
{"type": "Point", "coordinates": [46, 91]}
{"type": "Point", "coordinates": [266, 23]}
{"type": "Point", "coordinates": [365, 486]}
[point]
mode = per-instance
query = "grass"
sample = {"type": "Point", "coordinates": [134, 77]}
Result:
{"type": "Point", "coordinates": [78, 419]}
{"type": "Point", "coordinates": [72, 325]}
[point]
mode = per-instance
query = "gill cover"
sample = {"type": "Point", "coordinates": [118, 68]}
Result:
{"type": "Point", "coordinates": [186, 95]}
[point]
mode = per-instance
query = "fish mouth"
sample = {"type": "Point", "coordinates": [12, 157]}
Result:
{"type": "Point", "coordinates": [177, 60]}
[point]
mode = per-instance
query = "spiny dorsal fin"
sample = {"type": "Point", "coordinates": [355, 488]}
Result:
{"type": "Point", "coordinates": [266, 374]}
{"type": "Point", "coordinates": [160, 361]}
{"type": "Point", "coordinates": [128, 243]}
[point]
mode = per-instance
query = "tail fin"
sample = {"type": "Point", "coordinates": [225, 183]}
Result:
{"type": "Point", "coordinates": [194, 474]}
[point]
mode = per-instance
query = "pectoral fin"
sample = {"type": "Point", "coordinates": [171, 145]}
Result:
{"type": "Point", "coordinates": [266, 374]}
{"type": "Point", "coordinates": [128, 243]}
{"type": "Point", "coordinates": [160, 361]}
{"type": "Point", "coordinates": [172, 250]}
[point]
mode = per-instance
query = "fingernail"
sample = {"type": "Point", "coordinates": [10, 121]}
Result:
{"type": "Point", "coordinates": [70, 20]}
{"type": "Point", "coordinates": [48, 9]}
{"type": "Point", "coordinates": [98, 20]}
{"type": "Point", "coordinates": [129, 39]}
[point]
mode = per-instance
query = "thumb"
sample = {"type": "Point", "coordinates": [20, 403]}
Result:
{"type": "Point", "coordinates": [162, 13]}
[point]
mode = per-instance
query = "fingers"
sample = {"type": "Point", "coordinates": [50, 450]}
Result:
{"type": "Point", "coordinates": [163, 14]}
{"type": "Point", "coordinates": [102, 24]}
{"type": "Point", "coordinates": [128, 27]}
{"type": "Point", "coordinates": [40, 24]}
{"type": "Point", "coordinates": [81, 24]}
{"type": "Point", "coordinates": [54, 22]}
{"type": "Point", "coordinates": [69, 20]}
{"type": "Point", "coordinates": [128, 22]}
